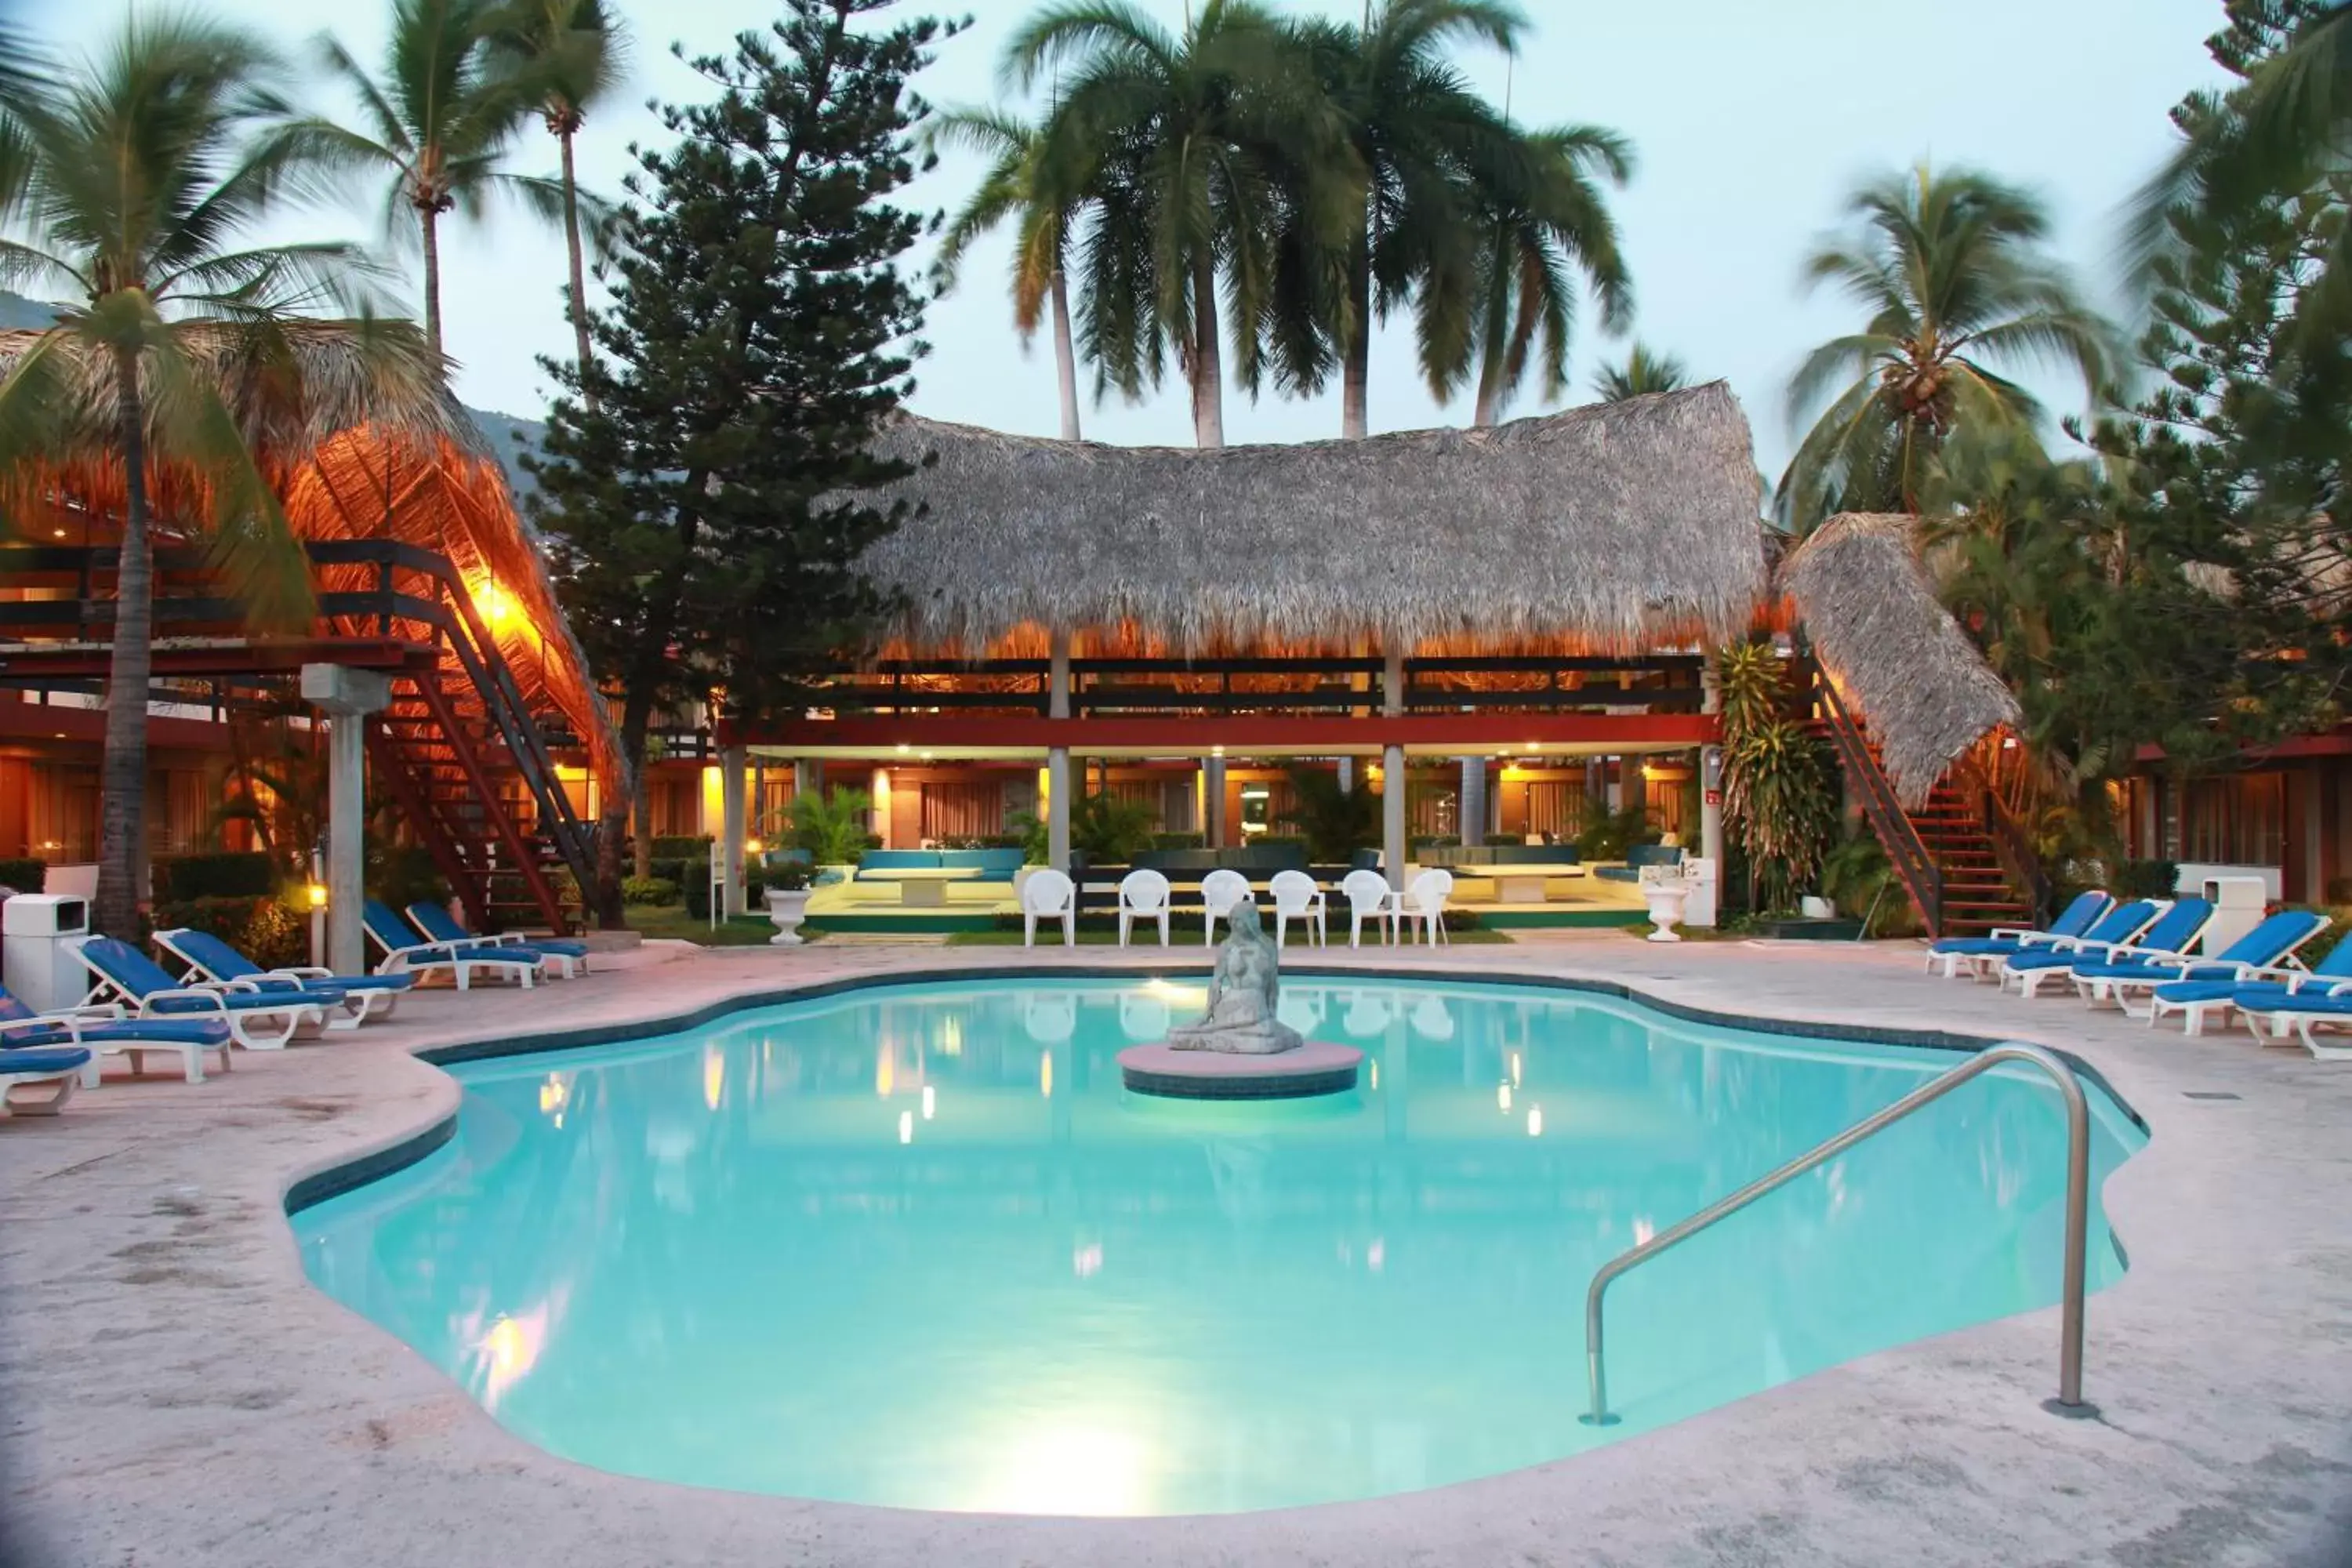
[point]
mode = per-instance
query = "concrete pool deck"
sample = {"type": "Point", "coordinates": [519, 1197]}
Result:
{"type": "Point", "coordinates": [174, 1391]}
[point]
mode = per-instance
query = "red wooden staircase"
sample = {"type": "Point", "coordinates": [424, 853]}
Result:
{"type": "Point", "coordinates": [1962, 859]}
{"type": "Point", "coordinates": [460, 751]}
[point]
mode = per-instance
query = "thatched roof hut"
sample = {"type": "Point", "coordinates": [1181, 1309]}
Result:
{"type": "Point", "coordinates": [356, 432]}
{"type": "Point", "coordinates": [1880, 631]}
{"type": "Point", "coordinates": [1613, 529]}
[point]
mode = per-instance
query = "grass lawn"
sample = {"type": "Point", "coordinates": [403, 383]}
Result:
{"type": "Point", "coordinates": [1179, 948]}
{"type": "Point", "coordinates": [670, 921]}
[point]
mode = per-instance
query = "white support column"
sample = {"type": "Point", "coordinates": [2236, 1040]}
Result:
{"type": "Point", "coordinates": [1057, 807]}
{"type": "Point", "coordinates": [1346, 773]}
{"type": "Point", "coordinates": [730, 824]}
{"type": "Point", "coordinates": [1710, 780]}
{"type": "Point", "coordinates": [808, 778]}
{"type": "Point", "coordinates": [1471, 804]}
{"type": "Point", "coordinates": [1392, 680]}
{"type": "Point", "coordinates": [1057, 678]}
{"type": "Point", "coordinates": [347, 697]}
{"type": "Point", "coordinates": [1392, 837]}
{"type": "Point", "coordinates": [1212, 790]}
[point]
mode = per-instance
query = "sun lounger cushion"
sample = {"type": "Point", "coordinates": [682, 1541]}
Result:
{"type": "Point", "coordinates": [42, 1059]}
{"type": "Point", "coordinates": [204, 1032]}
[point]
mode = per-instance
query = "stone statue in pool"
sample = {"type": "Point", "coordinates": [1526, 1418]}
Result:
{"type": "Point", "coordinates": [1242, 991]}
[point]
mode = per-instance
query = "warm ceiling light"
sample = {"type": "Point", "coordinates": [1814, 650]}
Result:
{"type": "Point", "coordinates": [904, 748]}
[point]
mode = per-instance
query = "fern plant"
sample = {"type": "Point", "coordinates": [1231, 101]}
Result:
{"type": "Point", "coordinates": [832, 828]}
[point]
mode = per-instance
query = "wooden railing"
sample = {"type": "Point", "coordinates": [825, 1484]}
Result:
{"type": "Point", "coordinates": [1921, 876]}
{"type": "Point", "coordinates": [1151, 687]}
{"type": "Point", "coordinates": [1997, 775]}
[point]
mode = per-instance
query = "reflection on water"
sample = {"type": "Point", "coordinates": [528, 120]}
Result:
{"type": "Point", "coordinates": [919, 1247]}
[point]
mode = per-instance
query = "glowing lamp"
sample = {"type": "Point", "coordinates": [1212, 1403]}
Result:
{"type": "Point", "coordinates": [317, 894]}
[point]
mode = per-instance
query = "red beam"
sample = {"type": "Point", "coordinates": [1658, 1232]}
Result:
{"type": "Point", "coordinates": [39, 721]}
{"type": "Point", "coordinates": [1240, 733]}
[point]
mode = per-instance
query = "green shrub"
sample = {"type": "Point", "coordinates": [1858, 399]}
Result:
{"type": "Point", "coordinates": [681, 847]}
{"type": "Point", "coordinates": [2146, 878]}
{"type": "Point", "coordinates": [2340, 925]}
{"type": "Point", "coordinates": [405, 874]}
{"type": "Point", "coordinates": [832, 828]}
{"type": "Point", "coordinates": [648, 891]}
{"type": "Point", "coordinates": [268, 930]}
{"type": "Point", "coordinates": [1173, 841]}
{"type": "Point", "coordinates": [184, 879]}
{"type": "Point", "coordinates": [23, 876]}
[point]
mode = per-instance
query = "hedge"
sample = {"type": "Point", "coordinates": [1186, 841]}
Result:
{"type": "Point", "coordinates": [648, 891]}
{"type": "Point", "coordinates": [681, 846]}
{"type": "Point", "coordinates": [184, 879]}
{"type": "Point", "coordinates": [271, 933]}
{"type": "Point", "coordinates": [24, 876]}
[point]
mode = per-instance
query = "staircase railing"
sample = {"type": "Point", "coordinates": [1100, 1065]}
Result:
{"type": "Point", "coordinates": [1921, 876]}
{"type": "Point", "coordinates": [459, 626]}
{"type": "Point", "coordinates": [1996, 776]}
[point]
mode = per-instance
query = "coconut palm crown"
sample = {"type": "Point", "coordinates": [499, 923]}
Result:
{"type": "Point", "coordinates": [1949, 266]}
{"type": "Point", "coordinates": [137, 180]}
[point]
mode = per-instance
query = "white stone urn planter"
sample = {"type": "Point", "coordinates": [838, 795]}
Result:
{"type": "Point", "coordinates": [787, 907]}
{"type": "Point", "coordinates": [1664, 898]}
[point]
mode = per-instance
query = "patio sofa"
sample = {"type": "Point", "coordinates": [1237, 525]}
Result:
{"type": "Point", "coordinates": [1639, 856]}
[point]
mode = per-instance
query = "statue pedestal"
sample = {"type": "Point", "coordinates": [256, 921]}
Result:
{"type": "Point", "coordinates": [1314, 1067]}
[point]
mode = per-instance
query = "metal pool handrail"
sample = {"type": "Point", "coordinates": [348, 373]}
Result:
{"type": "Point", "coordinates": [2078, 1190]}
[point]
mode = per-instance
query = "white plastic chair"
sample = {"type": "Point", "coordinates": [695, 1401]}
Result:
{"type": "Point", "coordinates": [1221, 889]}
{"type": "Point", "coordinates": [1425, 902]}
{"type": "Point", "coordinates": [1142, 895]}
{"type": "Point", "coordinates": [1295, 895]}
{"type": "Point", "coordinates": [1367, 894]}
{"type": "Point", "coordinates": [1047, 895]}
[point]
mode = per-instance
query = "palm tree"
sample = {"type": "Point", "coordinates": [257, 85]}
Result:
{"type": "Point", "coordinates": [1950, 268]}
{"type": "Point", "coordinates": [440, 120]}
{"type": "Point", "coordinates": [136, 181]}
{"type": "Point", "coordinates": [1427, 148]}
{"type": "Point", "coordinates": [1181, 136]}
{"type": "Point", "coordinates": [577, 51]}
{"type": "Point", "coordinates": [1642, 373]}
{"type": "Point", "coordinates": [1534, 237]}
{"type": "Point", "coordinates": [1042, 204]}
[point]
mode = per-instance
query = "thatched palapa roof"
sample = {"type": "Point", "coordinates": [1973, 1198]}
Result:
{"type": "Point", "coordinates": [1616, 527]}
{"type": "Point", "coordinates": [355, 432]}
{"type": "Point", "coordinates": [1882, 634]}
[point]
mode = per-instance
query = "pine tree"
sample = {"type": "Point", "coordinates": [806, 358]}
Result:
{"type": "Point", "coordinates": [2236, 462]}
{"type": "Point", "coordinates": [760, 331]}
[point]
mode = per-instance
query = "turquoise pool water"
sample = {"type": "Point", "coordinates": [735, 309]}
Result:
{"type": "Point", "coordinates": [916, 1246]}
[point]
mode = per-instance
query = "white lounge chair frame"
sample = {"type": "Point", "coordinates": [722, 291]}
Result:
{"type": "Point", "coordinates": [243, 1023]}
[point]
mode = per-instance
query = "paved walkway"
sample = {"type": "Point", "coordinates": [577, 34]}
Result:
{"type": "Point", "coordinates": [173, 1392]}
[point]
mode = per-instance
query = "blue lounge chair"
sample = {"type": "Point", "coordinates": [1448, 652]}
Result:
{"type": "Point", "coordinates": [2300, 1013]}
{"type": "Point", "coordinates": [2174, 933]}
{"type": "Point", "coordinates": [1980, 955]}
{"type": "Point", "coordinates": [125, 974]}
{"type": "Point", "coordinates": [210, 961]}
{"type": "Point", "coordinates": [403, 954]}
{"type": "Point", "coordinates": [2123, 974]}
{"type": "Point", "coordinates": [58, 1066]}
{"type": "Point", "coordinates": [105, 1032]}
{"type": "Point", "coordinates": [2119, 925]}
{"type": "Point", "coordinates": [565, 956]}
{"type": "Point", "coordinates": [2271, 988]}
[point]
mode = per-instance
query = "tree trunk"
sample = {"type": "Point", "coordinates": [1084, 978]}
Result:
{"type": "Point", "coordinates": [1356, 372]}
{"type": "Point", "coordinates": [1207, 368]}
{"type": "Point", "coordinates": [1065, 358]}
{"type": "Point", "coordinates": [579, 272]}
{"type": "Point", "coordinates": [431, 221]}
{"type": "Point", "coordinates": [122, 775]}
{"type": "Point", "coordinates": [636, 719]}
{"type": "Point", "coordinates": [612, 826]}
{"type": "Point", "coordinates": [641, 808]}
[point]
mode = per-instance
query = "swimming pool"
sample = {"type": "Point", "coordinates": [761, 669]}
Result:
{"type": "Point", "coordinates": [915, 1245]}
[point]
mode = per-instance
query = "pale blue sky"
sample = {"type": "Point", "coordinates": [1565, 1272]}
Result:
{"type": "Point", "coordinates": [1751, 119]}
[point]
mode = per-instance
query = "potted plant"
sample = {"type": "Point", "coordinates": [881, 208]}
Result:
{"type": "Point", "coordinates": [788, 893]}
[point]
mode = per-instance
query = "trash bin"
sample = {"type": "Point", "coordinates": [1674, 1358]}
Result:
{"type": "Point", "coordinates": [37, 931]}
{"type": "Point", "coordinates": [1698, 908]}
{"type": "Point", "coordinates": [2238, 904]}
